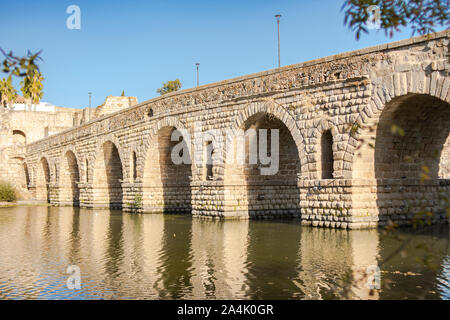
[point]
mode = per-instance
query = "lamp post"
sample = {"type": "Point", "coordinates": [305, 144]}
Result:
{"type": "Point", "coordinates": [197, 64]}
{"type": "Point", "coordinates": [278, 16]}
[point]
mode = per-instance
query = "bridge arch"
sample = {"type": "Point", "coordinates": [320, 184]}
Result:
{"type": "Point", "coordinates": [69, 193]}
{"type": "Point", "coordinates": [26, 175]}
{"type": "Point", "coordinates": [165, 184]}
{"type": "Point", "coordinates": [247, 191]}
{"type": "Point", "coordinates": [108, 174]}
{"type": "Point", "coordinates": [43, 180]}
{"type": "Point", "coordinates": [278, 112]}
{"type": "Point", "coordinates": [402, 146]}
{"type": "Point", "coordinates": [153, 132]}
{"type": "Point", "coordinates": [383, 109]}
{"type": "Point", "coordinates": [133, 162]}
{"type": "Point", "coordinates": [411, 136]}
{"type": "Point", "coordinates": [19, 137]}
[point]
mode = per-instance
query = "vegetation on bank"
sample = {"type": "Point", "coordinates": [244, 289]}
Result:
{"type": "Point", "coordinates": [7, 192]}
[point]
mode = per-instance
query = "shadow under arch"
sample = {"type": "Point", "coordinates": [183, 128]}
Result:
{"type": "Point", "coordinates": [43, 180]}
{"type": "Point", "coordinates": [108, 177]}
{"type": "Point", "coordinates": [166, 185]}
{"type": "Point", "coordinates": [412, 136]}
{"type": "Point", "coordinates": [69, 179]}
{"type": "Point", "coordinates": [26, 173]}
{"type": "Point", "coordinates": [251, 194]}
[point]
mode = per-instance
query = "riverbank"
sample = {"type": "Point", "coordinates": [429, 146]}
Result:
{"type": "Point", "coordinates": [4, 204]}
{"type": "Point", "coordinates": [7, 204]}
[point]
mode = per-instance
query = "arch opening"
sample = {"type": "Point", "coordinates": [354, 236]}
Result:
{"type": "Point", "coordinates": [411, 155]}
{"type": "Point", "coordinates": [249, 192]}
{"type": "Point", "coordinates": [133, 166]}
{"type": "Point", "coordinates": [43, 181]}
{"type": "Point", "coordinates": [411, 135]}
{"type": "Point", "coordinates": [19, 138]}
{"type": "Point", "coordinates": [208, 149]}
{"type": "Point", "coordinates": [26, 176]}
{"type": "Point", "coordinates": [108, 177]}
{"type": "Point", "coordinates": [326, 155]}
{"type": "Point", "coordinates": [69, 179]}
{"type": "Point", "coordinates": [166, 185]}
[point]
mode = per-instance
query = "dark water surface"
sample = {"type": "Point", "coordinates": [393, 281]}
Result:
{"type": "Point", "coordinates": [124, 256]}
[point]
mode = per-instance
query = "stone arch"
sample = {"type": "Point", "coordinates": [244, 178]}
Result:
{"type": "Point", "coordinates": [165, 184]}
{"type": "Point", "coordinates": [278, 112]}
{"type": "Point", "coordinates": [249, 191]}
{"type": "Point", "coordinates": [19, 137]}
{"type": "Point", "coordinates": [43, 180]}
{"type": "Point", "coordinates": [359, 154]}
{"type": "Point", "coordinates": [93, 156]}
{"type": "Point", "coordinates": [27, 175]}
{"type": "Point", "coordinates": [411, 134]}
{"type": "Point", "coordinates": [108, 173]}
{"type": "Point", "coordinates": [406, 121]}
{"type": "Point", "coordinates": [86, 166]}
{"type": "Point", "coordinates": [113, 139]}
{"type": "Point", "coordinates": [328, 158]}
{"type": "Point", "coordinates": [69, 193]}
{"type": "Point", "coordinates": [135, 166]}
{"type": "Point", "coordinates": [165, 122]}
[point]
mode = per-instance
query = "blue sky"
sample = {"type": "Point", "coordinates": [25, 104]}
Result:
{"type": "Point", "coordinates": [137, 45]}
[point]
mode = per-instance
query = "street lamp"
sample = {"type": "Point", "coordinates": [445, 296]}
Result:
{"type": "Point", "coordinates": [197, 64]}
{"type": "Point", "coordinates": [278, 16]}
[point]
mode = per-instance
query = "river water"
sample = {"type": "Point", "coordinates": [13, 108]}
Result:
{"type": "Point", "coordinates": [151, 256]}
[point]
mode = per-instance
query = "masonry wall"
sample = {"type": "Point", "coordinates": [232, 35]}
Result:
{"type": "Point", "coordinates": [344, 95]}
{"type": "Point", "coordinates": [113, 104]}
{"type": "Point", "coordinates": [17, 128]}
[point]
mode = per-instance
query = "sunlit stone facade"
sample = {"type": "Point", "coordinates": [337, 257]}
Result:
{"type": "Point", "coordinates": [363, 139]}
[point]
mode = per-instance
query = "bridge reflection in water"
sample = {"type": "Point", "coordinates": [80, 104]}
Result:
{"type": "Point", "coordinates": [159, 256]}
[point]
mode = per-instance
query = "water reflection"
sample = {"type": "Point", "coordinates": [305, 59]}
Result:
{"type": "Point", "coordinates": [124, 256]}
{"type": "Point", "coordinates": [220, 258]}
{"type": "Point", "coordinates": [422, 269]}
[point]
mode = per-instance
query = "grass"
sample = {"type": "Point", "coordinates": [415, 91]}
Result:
{"type": "Point", "coordinates": [7, 192]}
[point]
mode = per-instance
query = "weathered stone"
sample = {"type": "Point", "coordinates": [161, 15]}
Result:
{"type": "Point", "coordinates": [328, 172]}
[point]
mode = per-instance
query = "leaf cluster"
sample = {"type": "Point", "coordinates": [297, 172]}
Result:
{"type": "Point", "coordinates": [32, 87]}
{"type": "Point", "coordinates": [20, 66]}
{"type": "Point", "coordinates": [169, 86]}
{"type": "Point", "coordinates": [8, 93]}
{"type": "Point", "coordinates": [421, 15]}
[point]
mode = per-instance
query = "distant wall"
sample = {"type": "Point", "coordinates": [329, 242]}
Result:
{"type": "Point", "coordinates": [114, 104]}
{"type": "Point", "coordinates": [20, 126]}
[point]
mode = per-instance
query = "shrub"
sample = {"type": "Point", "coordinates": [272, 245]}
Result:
{"type": "Point", "coordinates": [138, 201]}
{"type": "Point", "coordinates": [7, 192]}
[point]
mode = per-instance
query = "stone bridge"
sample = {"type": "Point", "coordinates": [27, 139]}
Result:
{"type": "Point", "coordinates": [364, 138]}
